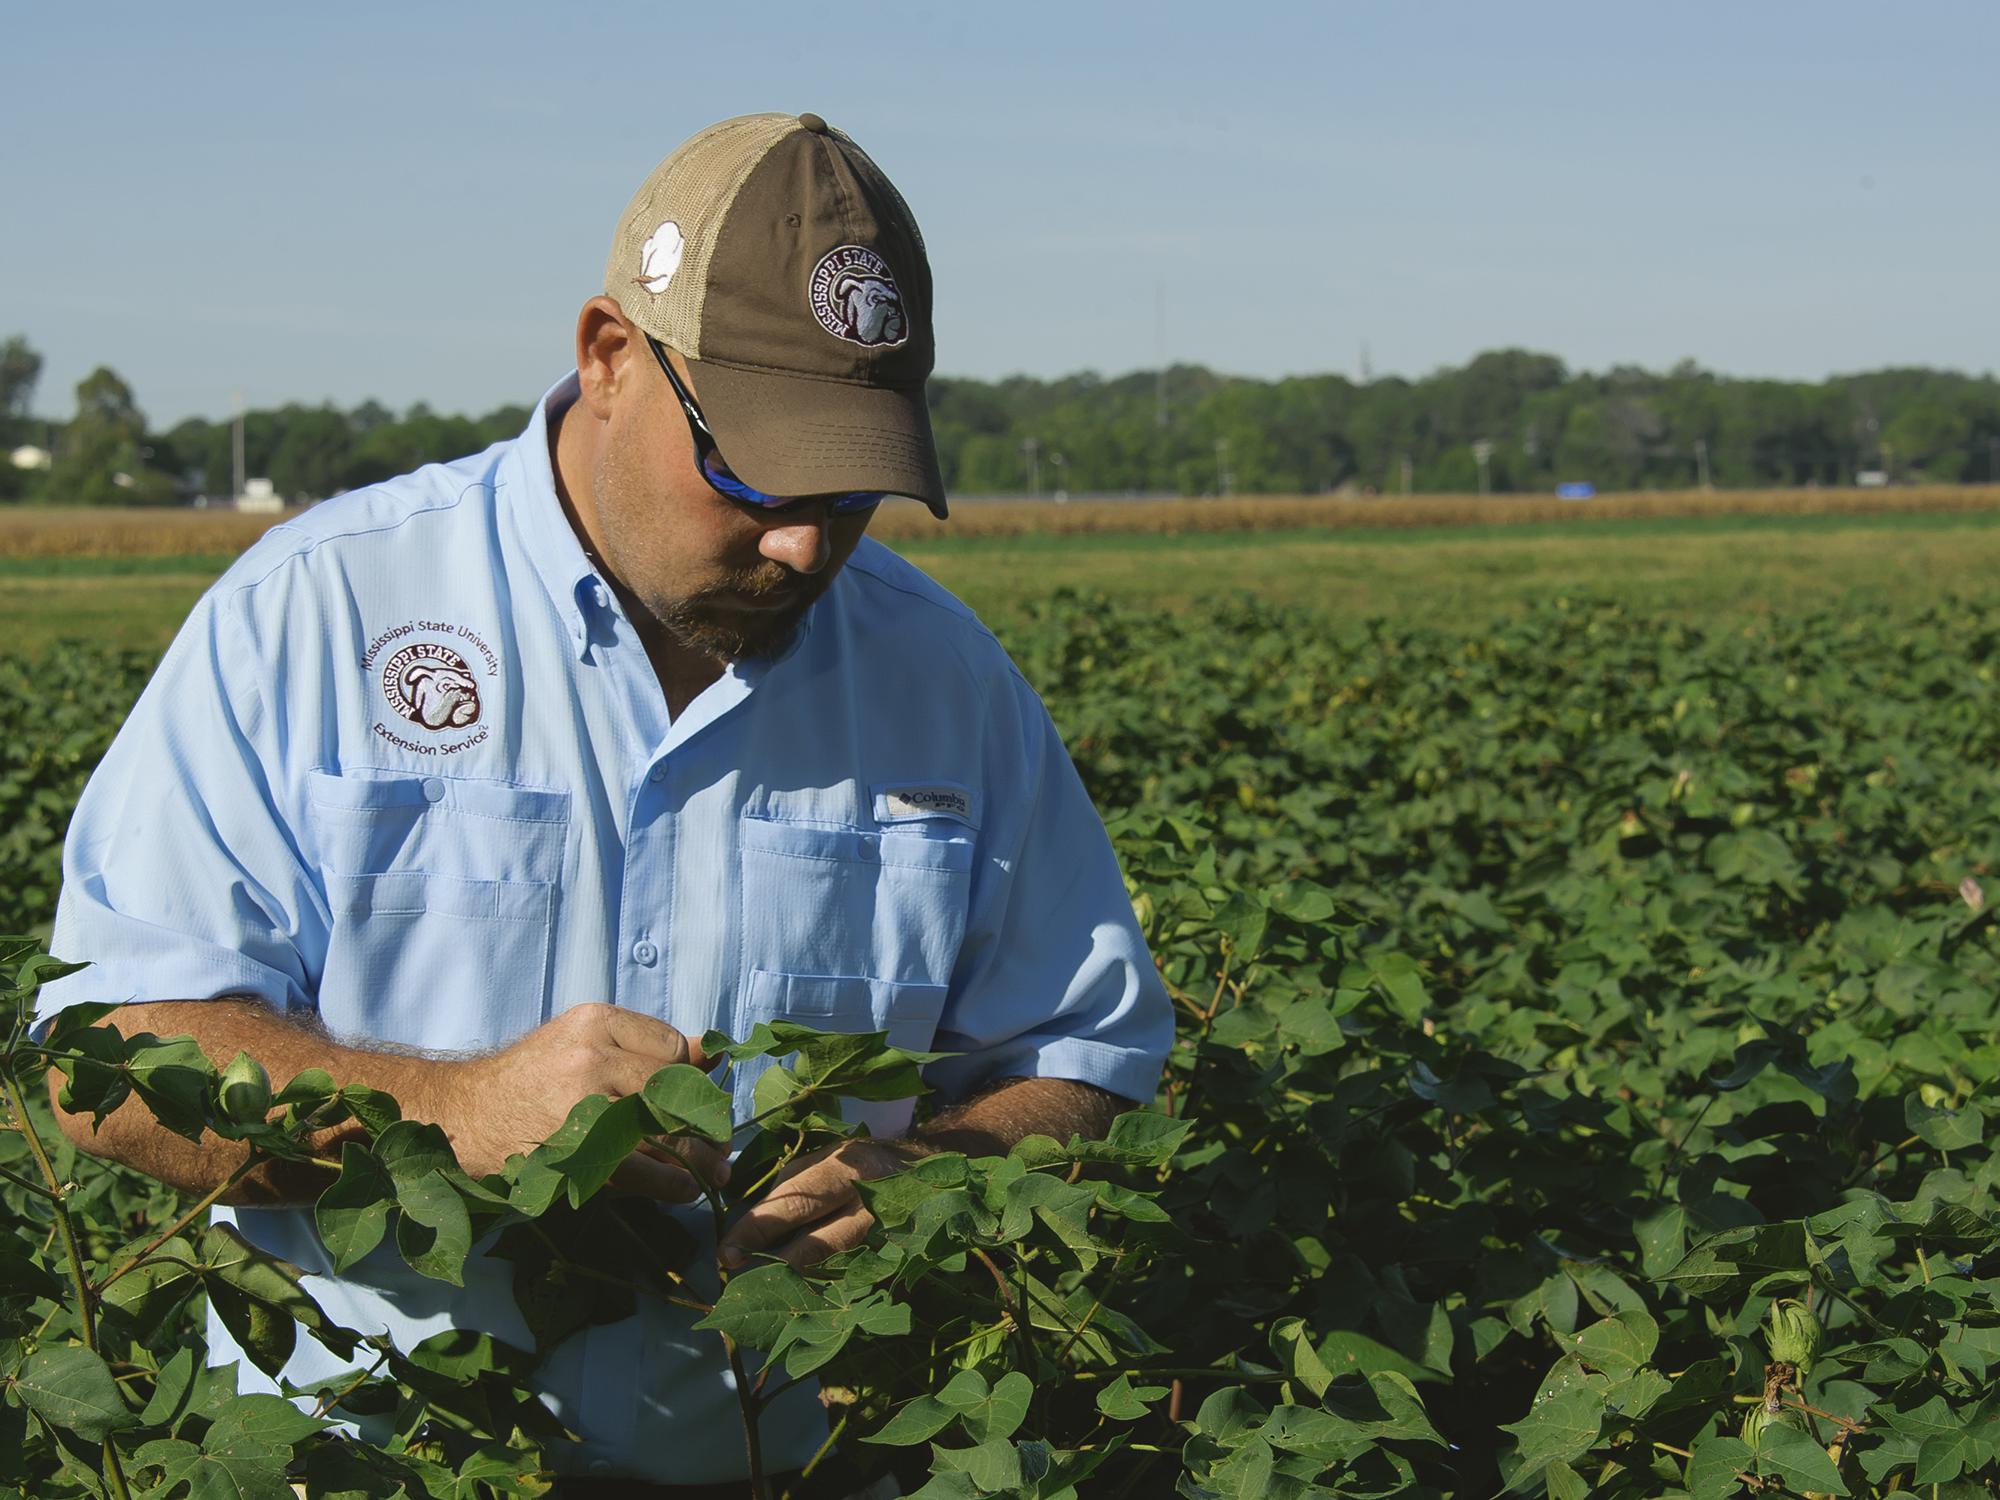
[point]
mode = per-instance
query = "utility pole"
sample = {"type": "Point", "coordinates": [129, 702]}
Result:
{"type": "Point", "coordinates": [1223, 478]}
{"type": "Point", "coordinates": [1482, 451]}
{"type": "Point", "coordinates": [1061, 466]}
{"type": "Point", "coordinates": [1993, 460]}
{"type": "Point", "coordinates": [236, 453]}
{"type": "Point", "coordinates": [1160, 354]}
{"type": "Point", "coordinates": [1367, 369]}
{"type": "Point", "coordinates": [1701, 462]}
{"type": "Point", "coordinates": [1408, 469]}
{"type": "Point", "coordinates": [1032, 450]}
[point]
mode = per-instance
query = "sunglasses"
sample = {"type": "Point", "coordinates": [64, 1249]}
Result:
{"type": "Point", "coordinates": [725, 483]}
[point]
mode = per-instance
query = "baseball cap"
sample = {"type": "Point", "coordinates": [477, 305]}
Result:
{"type": "Point", "coordinates": [775, 257]}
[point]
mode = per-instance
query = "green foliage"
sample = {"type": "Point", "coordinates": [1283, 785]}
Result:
{"type": "Point", "coordinates": [310, 452]}
{"type": "Point", "coordinates": [20, 369]}
{"type": "Point", "coordinates": [86, 1297]}
{"type": "Point", "coordinates": [102, 457]}
{"type": "Point", "coordinates": [75, 700]}
{"type": "Point", "coordinates": [1625, 429]}
{"type": "Point", "coordinates": [1186, 431]}
{"type": "Point", "coordinates": [1586, 1055]}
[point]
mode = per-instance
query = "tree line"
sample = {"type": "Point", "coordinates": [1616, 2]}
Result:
{"type": "Point", "coordinates": [1509, 421]}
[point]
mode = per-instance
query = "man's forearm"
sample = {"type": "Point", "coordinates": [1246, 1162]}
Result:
{"type": "Point", "coordinates": [131, 1136]}
{"type": "Point", "coordinates": [489, 1104]}
{"type": "Point", "coordinates": [991, 1123]}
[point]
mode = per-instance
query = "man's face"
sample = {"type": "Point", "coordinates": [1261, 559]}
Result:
{"type": "Point", "coordinates": [726, 580]}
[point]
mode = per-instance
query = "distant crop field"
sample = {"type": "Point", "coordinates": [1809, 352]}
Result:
{"type": "Point", "coordinates": [1738, 566]}
{"type": "Point", "coordinates": [36, 531]}
{"type": "Point", "coordinates": [86, 531]}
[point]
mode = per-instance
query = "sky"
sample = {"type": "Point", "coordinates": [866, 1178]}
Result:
{"type": "Point", "coordinates": [409, 202]}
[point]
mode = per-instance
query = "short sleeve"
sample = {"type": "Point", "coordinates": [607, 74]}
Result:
{"type": "Point", "coordinates": [181, 878]}
{"type": "Point", "coordinates": [1054, 979]}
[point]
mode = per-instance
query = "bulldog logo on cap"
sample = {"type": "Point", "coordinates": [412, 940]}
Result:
{"type": "Point", "coordinates": [855, 298]}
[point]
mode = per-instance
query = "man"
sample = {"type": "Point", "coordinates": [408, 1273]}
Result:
{"type": "Point", "coordinates": [497, 785]}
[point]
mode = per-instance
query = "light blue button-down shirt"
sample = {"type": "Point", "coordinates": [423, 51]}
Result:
{"type": "Point", "coordinates": [407, 767]}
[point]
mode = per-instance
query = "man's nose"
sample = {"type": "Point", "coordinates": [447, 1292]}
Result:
{"type": "Point", "coordinates": [799, 543]}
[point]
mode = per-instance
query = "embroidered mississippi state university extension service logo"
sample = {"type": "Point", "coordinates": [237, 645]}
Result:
{"type": "Point", "coordinates": [856, 298]}
{"type": "Point", "coordinates": [429, 673]}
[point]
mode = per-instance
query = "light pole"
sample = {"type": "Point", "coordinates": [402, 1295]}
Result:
{"type": "Point", "coordinates": [236, 474]}
{"type": "Point", "coordinates": [1482, 452]}
{"type": "Point", "coordinates": [1701, 462]}
{"type": "Point", "coordinates": [1222, 474]}
{"type": "Point", "coordinates": [1031, 449]}
{"type": "Point", "coordinates": [1060, 465]}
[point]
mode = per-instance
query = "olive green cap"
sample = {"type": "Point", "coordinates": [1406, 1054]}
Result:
{"type": "Point", "coordinates": [775, 257]}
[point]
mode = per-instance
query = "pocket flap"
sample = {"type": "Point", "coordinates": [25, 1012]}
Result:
{"type": "Point", "coordinates": [834, 1003]}
{"type": "Point", "coordinates": [362, 792]}
{"type": "Point", "coordinates": [913, 846]}
{"type": "Point", "coordinates": [369, 824]}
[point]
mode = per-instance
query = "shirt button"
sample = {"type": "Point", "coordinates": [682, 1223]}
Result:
{"type": "Point", "coordinates": [433, 789]}
{"type": "Point", "coordinates": [643, 953]}
{"type": "Point", "coordinates": [658, 773]}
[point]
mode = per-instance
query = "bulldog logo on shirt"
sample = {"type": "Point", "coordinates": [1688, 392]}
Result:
{"type": "Point", "coordinates": [431, 685]}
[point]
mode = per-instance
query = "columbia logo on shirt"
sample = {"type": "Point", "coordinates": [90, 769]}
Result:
{"type": "Point", "coordinates": [934, 801]}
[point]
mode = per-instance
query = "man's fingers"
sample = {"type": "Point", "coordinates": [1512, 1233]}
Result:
{"type": "Point", "coordinates": [652, 1178]}
{"type": "Point", "coordinates": [653, 1040]}
{"type": "Point", "coordinates": [620, 1072]}
{"type": "Point", "coordinates": [828, 1237]}
{"type": "Point", "coordinates": [825, 1188]}
{"type": "Point", "coordinates": [704, 1159]}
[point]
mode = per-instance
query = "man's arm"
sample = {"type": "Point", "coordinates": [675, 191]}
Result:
{"type": "Point", "coordinates": [992, 1123]}
{"type": "Point", "coordinates": [815, 1211]}
{"type": "Point", "coordinates": [489, 1106]}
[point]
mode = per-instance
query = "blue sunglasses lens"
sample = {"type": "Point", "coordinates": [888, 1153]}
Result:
{"type": "Point", "coordinates": [718, 475]}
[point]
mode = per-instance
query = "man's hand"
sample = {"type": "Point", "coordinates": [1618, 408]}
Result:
{"type": "Point", "coordinates": [492, 1107]}
{"type": "Point", "coordinates": [813, 1210]}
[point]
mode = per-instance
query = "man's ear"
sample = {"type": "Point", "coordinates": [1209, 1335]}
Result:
{"type": "Point", "coordinates": [605, 345]}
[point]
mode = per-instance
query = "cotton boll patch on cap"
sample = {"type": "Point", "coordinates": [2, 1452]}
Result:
{"type": "Point", "coordinates": [660, 257]}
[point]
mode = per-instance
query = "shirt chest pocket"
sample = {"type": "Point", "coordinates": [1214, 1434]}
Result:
{"type": "Point", "coordinates": [854, 903]}
{"type": "Point", "coordinates": [443, 894]}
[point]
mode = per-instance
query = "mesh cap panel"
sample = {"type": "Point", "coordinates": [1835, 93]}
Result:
{"type": "Point", "coordinates": [693, 189]}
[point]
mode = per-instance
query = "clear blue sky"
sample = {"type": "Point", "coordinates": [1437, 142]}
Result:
{"type": "Point", "coordinates": [410, 201]}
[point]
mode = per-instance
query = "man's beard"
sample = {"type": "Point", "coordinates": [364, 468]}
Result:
{"type": "Point", "coordinates": [704, 622]}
